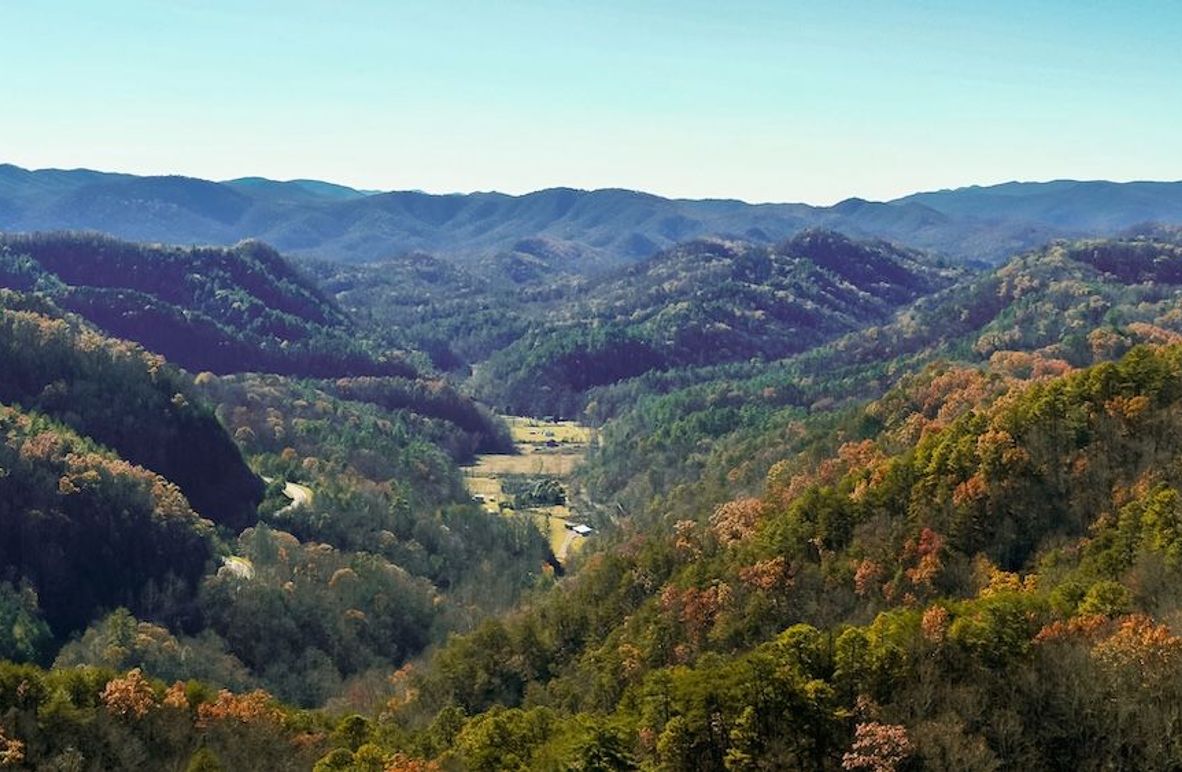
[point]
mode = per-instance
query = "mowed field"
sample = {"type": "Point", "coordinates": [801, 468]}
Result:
{"type": "Point", "coordinates": [544, 450]}
{"type": "Point", "coordinates": [535, 431]}
{"type": "Point", "coordinates": [529, 463]}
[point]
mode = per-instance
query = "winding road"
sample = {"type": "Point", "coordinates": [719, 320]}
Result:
{"type": "Point", "coordinates": [300, 495]}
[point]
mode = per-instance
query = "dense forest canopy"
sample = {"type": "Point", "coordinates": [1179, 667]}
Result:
{"type": "Point", "coordinates": [126, 399]}
{"type": "Point", "coordinates": [703, 303]}
{"type": "Point", "coordinates": [979, 555]}
{"type": "Point", "coordinates": [146, 525]}
{"type": "Point", "coordinates": [851, 508]}
{"type": "Point", "coordinates": [227, 310]}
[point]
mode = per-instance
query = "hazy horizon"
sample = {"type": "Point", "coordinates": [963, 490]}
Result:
{"type": "Point", "coordinates": [759, 101]}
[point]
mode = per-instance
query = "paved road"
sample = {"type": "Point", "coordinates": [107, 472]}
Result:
{"type": "Point", "coordinates": [300, 495]}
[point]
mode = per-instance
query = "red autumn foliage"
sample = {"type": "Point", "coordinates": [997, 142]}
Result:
{"type": "Point", "coordinates": [878, 747]}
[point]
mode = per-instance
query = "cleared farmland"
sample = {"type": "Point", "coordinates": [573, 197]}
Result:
{"type": "Point", "coordinates": [545, 450]}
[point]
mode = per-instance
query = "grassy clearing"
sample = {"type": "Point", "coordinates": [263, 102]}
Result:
{"type": "Point", "coordinates": [544, 449]}
{"type": "Point", "coordinates": [488, 489]}
{"type": "Point", "coordinates": [529, 462]}
{"type": "Point", "coordinates": [532, 431]}
{"type": "Point", "coordinates": [551, 521]}
{"type": "Point", "coordinates": [554, 526]}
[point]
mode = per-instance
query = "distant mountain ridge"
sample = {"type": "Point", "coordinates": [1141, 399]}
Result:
{"type": "Point", "coordinates": [584, 231]}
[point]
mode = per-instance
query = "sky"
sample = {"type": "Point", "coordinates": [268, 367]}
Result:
{"type": "Point", "coordinates": [752, 99]}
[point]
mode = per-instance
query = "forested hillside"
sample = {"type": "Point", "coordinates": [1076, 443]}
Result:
{"type": "Point", "coordinates": [850, 510]}
{"type": "Point", "coordinates": [221, 309]}
{"type": "Point", "coordinates": [126, 399]}
{"type": "Point", "coordinates": [703, 303]}
{"type": "Point", "coordinates": [454, 315]}
{"type": "Point", "coordinates": [61, 497]}
{"type": "Point", "coordinates": [514, 318]}
{"type": "Point", "coordinates": [1065, 302]}
{"type": "Point", "coordinates": [889, 567]}
{"type": "Point", "coordinates": [590, 387]}
{"type": "Point", "coordinates": [140, 537]}
{"type": "Point", "coordinates": [976, 557]}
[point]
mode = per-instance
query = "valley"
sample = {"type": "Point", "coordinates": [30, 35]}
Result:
{"type": "Point", "coordinates": [547, 453]}
{"type": "Point", "coordinates": [735, 501]}
{"type": "Point", "coordinates": [591, 387]}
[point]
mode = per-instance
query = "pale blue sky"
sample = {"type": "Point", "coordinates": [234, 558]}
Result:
{"type": "Point", "coordinates": [765, 101]}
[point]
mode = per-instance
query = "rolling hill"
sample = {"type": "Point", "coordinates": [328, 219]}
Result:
{"type": "Point", "coordinates": [702, 303]}
{"type": "Point", "coordinates": [938, 571]}
{"type": "Point", "coordinates": [944, 579]}
{"type": "Point", "coordinates": [222, 309]}
{"type": "Point", "coordinates": [1069, 304]}
{"type": "Point", "coordinates": [131, 497]}
{"type": "Point", "coordinates": [125, 399]}
{"type": "Point", "coordinates": [846, 498]}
